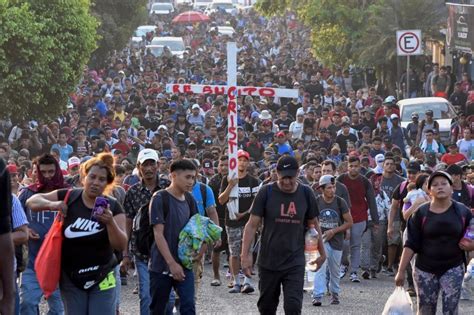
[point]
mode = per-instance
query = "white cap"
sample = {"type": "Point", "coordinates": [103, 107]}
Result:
{"type": "Point", "coordinates": [300, 112]}
{"type": "Point", "coordinates": [379, 158]}
{"type": "Point", "coordinates": [147, 154]}
{"type": "Point", "coordinates": [74, 161]}
{"type": "Point", "coordinates": [108, 95]}
{"type": "Point", "coordinates": [196, 106]}
{"type": "Point", "coordinates": [394, 116]}
{"type": "Point", "coordinates": [163, 127]}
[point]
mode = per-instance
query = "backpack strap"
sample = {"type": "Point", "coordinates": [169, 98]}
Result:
{"type": "Point", "coordinates": [203, 189]}
{"type": "Point", "coordinates": [402, 186]}
{"type": "Point", "coordinates": [191, 203]}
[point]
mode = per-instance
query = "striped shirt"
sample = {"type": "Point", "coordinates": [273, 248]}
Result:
{"type": "Point", "coordinates": [18, 214]}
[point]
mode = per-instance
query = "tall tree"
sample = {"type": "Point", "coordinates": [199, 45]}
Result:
{"type": "Point", "coordinates": [44, 47]}
{"type": "Point", "coordinates": [118, 19]}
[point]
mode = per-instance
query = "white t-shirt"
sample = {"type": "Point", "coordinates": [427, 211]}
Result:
{"type": "Point", "coordinates": [466, 148]}
{"type": "Point", "coordinates": [296, 129]}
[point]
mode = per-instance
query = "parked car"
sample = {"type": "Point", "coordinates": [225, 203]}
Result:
{"type": "Point", "coordinates": [137, 38]}
{"type": "Point", "coordinates": [155, 50]}
{"type": "Point", "coordinates": [224, 30]}
{"type": "Point", "coordinates": [201, 5]}
{"type": "Point", "coordinates": [175, 44]}
{"type": "Point", "coordinates": [160, 8]}
{"type": "Point", "coordinates": [215, 6]}
{"type": "Point", "coordinates": [443, 112]}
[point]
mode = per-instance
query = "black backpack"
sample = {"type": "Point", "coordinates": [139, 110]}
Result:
{"type": "Point", "coordinates": [143, 231]}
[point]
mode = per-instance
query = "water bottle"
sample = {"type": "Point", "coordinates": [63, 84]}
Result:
{"type": "Point", "coordinates": [469, 234]}
{"type": "Point", "coordinates": [311, 253]}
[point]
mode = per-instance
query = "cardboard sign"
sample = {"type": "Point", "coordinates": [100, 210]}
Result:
{"type": "Point", "coordinates": [224, 90]}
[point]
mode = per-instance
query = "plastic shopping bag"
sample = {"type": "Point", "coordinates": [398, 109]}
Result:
{"type": "Point", "coordinates": [467, 291]}
{"type": "Point", "coordinates": [48, 261]}
{"type": "Point", "coordinates": [399, 303]}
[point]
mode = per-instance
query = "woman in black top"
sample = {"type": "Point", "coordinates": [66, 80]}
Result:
{"type": "Point", "coordinates": [434, 232]}
{"type": "Point", "coordinates": [87, 281]}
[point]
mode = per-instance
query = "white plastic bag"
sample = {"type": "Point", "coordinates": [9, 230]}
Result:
{"type": "Point", "coordinates": [399, 303]}
{"type": "Point", "coordinates": [467, 291]}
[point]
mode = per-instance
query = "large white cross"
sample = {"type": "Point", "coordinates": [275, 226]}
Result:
{"type": "Point", "coordinates": [232, 91]}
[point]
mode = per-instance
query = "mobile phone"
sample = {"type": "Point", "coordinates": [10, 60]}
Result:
{"type": "Point", "coordinates": [101, 203]}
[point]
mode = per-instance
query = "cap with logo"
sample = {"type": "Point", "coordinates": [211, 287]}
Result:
{"type": "Point", "coordinates": [147, 154]}
{"type": "Point", "coordinates": [287, 166]}
{"type": "Point", "coordinates": [326, 180]}
{"type": "Point", "coordinates": [242, 153]}
{"type": "Point", "coordinates": [73, 161]}
{"type": "Point", "coordinates": [414, 166]}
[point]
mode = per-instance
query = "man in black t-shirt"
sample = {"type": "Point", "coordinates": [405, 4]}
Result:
{"type": "Point", "coordinates": [248, 188]}
{"type": "Point", "coordinates": [287, 207]}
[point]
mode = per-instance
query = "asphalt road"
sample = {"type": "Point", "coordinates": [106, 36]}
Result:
{"type": "Point", "coordinates": [367, 297]}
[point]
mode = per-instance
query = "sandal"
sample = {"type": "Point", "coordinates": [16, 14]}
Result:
{"type": "Point", "coordinates": [216, 283]}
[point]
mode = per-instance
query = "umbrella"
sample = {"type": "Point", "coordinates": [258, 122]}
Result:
{"type": "Point", "coordinates": [190, 17]}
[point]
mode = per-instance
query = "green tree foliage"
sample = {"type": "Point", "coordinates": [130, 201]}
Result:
{"type": "Point", "coordinates": [118, 19]}
{"type": "Point", "coordinates": [360, 32]}
{"type": "Point", "coordinates": [44, 47]}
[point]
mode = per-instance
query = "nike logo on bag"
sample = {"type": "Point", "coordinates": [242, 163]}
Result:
{"type": "Point", "coordinates": [88, 284]}
{"type": "Point", "coordinates": [82, 227]}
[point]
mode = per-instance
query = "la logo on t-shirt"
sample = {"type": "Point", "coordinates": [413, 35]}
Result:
{"type": "Point", "coordinates": [287, 214]}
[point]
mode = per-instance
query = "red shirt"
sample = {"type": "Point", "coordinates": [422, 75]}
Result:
{"type": "Point", "coordinates": [452, 159]}
{"type": "Point", "coordinates": [356, 188]}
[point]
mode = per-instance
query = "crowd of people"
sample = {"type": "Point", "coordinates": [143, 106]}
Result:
{"type": "Point", "coordinates": [335, 157]}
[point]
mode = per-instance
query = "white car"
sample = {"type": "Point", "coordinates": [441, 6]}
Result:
{"type": "Point", "coordinates": [159, 8]}
{"type": "Point", "coordinates": [201, 5]}
{"type": "Point", "coordinates": [175, 44]}
{"type": "Point", "coordinates": [155, 50]}
{"type": "Point", "coordinates": [215, 6]}
{"type": "Point", "coordinates": [137, 38]}
{"type": "Point", "coordinates": [443, 112]}
{"type": "Point", "coordinates": [224, 30]}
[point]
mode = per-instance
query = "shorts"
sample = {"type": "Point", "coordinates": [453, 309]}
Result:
{"type": "Point", "coordinates": [397, 235]}
{"type": "Point", "coordinates": [224, 245]}
{"type": "Point", "coordinates": [234, 239]}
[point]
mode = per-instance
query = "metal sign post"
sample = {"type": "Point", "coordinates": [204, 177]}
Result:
{"type": "Point", "coordinates": [408, 44]}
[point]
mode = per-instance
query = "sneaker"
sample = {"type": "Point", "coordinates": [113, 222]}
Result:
{"type": "Point", "coordinates": [389, 272]}
{"type": "Point", "coordinates": [241, 274]}
{"type": "Point", "coordinates": [317, 301]}
{"type": "Point", "coordinates": [381, 261]}
{"type": "Point", "coordinates": [366, 275]}
{"type": "Point", "coordinates": [236, 288]}
{"type": "Point", "coordinates": [355, 277]}
{"type": "Point", "coordinates": [228, 275]}
{"type": "Point", "coordinates": [343, 271]}
{"type": "Point", "coordinates": [373, 274]}
{"type": "Point", "coordinates": [247, 288]}
{"type": "Point", "coordinates": [335, 299]}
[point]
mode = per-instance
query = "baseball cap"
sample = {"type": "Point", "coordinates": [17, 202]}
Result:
{"type": "Point", "coordinates": [387, 139]}
{"type": "Point", "coordinates": [287, 166]}
{"type": "Point", "coordinates": [147, 154]}
{"type": "Point", "coordinates": [438, 174]}
{"type": "Point", "coordinates": [12, 169]}
{"type": "Point", "coordinates": [389, 99]}
{"type": "Point", "coordinates": [242, 153]}
{"type": "Point", "coordinates": [73, 161]}
{"type": "Point", "coordinates": [325, 180]}
{"type": "Point", "coordinates": [280, 134]}
{"type": "Point", "coordinates": [379, 158]}
{"type": "Point", "coordinates": [393, 116]}
{"type": "Point", "coordinates": [413, 115]}
{"type": "Point", "coordinates": [429, 112]}
{"type": "Point", "coordinates": [207, 164]}
{"type": "Point", "coordinates": [192, 144]}
{"type": "Point", "coordinates": [414, 166]}
{"type": "Point", "coordinates": [163, 127]}
{"type": "Point", "coordinates": [454, 169]}
{"type": "Point", "coordinates": [366, 129]}
{"type": "Point", "coordinates": [196, 106]}
{"type": "Point", "coordinates": [345, 124]}
{"type": "Point", "coordinates": [300, 112]}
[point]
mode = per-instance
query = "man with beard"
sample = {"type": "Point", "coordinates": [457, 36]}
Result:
{"type": "Point", "coordinates": [50, 178]}
{"type": "Point", "coordinates": [137, 196]}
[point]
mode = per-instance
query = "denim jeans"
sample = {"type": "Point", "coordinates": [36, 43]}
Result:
{"type": "Point", "coordinates": [333, 264]}
{"type": "Point", "coordinates": [31, 294]}
{"type": "Point", "coordinates": [143, 285]}
{"type": "Point", "coordinates": [161, 286]}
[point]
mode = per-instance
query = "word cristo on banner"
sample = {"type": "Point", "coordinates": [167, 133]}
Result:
{"type": "Point", "coordinates": [224, 90]}
{"type": "Point", "coordinates": [232, 130]}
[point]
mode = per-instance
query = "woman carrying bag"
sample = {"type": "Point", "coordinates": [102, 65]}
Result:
{"type": "Point", "coordinates": [434, 232]}
{"type": "Point", "coordinates": [89, 238]}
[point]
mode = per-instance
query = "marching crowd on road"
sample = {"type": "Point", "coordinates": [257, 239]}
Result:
{"type": "Point", "coordinates": [335, 158]}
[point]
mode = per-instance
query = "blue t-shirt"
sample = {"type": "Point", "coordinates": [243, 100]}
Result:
{"type": "Point", "coordinates": [210, 201]}
{"type": "Point", "coordinates": [177, 217]}
{"type": "Point", "coordinates": [40, 222]}
{"type": "Point", "coordinates": [285, 148]}
{"type": "Point", "coordinates": [64, 151]}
